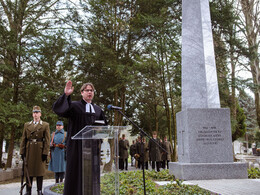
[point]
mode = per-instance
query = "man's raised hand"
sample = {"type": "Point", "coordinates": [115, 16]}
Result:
{"type": "Point", "coordinates": [68, 88]}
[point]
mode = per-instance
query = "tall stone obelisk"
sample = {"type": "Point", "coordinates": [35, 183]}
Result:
{"type": "Point", "coordinates": [203, 128]}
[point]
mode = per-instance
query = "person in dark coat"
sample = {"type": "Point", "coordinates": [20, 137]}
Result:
{"type": "Point", "coordinates": [123, 153]}
{"type": "Point", "coordinates": [137, 156]}
{"type": "Point", "coordinates": [144, 155]}
{"type": "Point", "coordinates": [79, 113]}
{"type": "Point", "coordinates": [166, 157]}
{"type": "Point", "coordinates": [34, 148]}
{"type": "Point", "coordinates": [132, 152]}
{"type": "Point", "coordinates": [155, 152]}
{"type": "Point", "coordinates": [58, 161]}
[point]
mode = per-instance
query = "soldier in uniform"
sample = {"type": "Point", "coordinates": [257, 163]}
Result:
{"type": "Point", "coordinates": [137, 156]}
{"type": "Point", "coordinates": [34, 148]}
{"type": "Point", "coordinates": [166, 157]}
{"type": "Point", "coordinates": [123, 153]}
{"type": "Point", "coordinates": [155, 152]}
{"type": "Point", "coordinates": [143, 151]}
{"type": "Point", "coordinates": [132, 152]}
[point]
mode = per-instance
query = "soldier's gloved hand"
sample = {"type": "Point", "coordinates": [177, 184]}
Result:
{"type": "Point", "coordinates": [44, 157]}
{"type": "Point", "coordinates": [52, 147]}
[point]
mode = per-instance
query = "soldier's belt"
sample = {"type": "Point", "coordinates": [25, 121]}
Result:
{"type": "Point", "coordinates": [35, 140]}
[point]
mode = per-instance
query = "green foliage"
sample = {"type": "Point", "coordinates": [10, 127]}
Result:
{"type": "Point", "coordinates": [253, 173]}
{"type": "Point", "coordinates": [58, 188]}
{"type": "Point", "coordinates": [131, 182]}
{"type": "Point", "coordinates": [163, 175]}
{"type": "Point", "coordinates": [248, 105]}
{"type": "Point", "coordinates": [257, 139]}
{"type": "Point", "coordinates": [238, 124]}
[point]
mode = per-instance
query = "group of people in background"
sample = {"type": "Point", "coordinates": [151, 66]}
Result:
{"type": "Point", "coordinates": [155, 152]}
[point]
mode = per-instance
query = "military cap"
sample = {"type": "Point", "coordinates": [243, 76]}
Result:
{"type": "Point", "coordinates": [59, 123]}
{"type": "Point", "coordinates": [36, 109]}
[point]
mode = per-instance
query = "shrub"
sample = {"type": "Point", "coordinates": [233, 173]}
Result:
{"type": "Point", "coordinates": [253, 173]}
{"type": "Point", "coordinates": [131, 182]}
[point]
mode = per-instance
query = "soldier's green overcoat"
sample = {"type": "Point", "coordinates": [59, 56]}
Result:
{"type": "Point", "coordinates": [123, 149]}
{"type": "Point", "coordinates": [168, 147]}
{"type": "Point", "coordinates": [35, 142]}
{"type": "Point", "coordinates": [146, 151]}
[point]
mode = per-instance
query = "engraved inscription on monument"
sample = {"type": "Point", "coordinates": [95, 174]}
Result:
{"type": "Point", "coordinates": [210, 135]}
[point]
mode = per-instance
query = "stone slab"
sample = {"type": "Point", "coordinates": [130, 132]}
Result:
{"type": "Point", "coordinates": [204, 135]}
{"type": "Point", "coordinates": [17, 172]}
{"type": "Point", "coordinates": [6, 174]}
{"type": "Point", "coordinates": [207, 171]}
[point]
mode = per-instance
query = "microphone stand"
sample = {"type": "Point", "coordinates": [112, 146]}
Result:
{"type": "Point", "coordinates": [142, 133]}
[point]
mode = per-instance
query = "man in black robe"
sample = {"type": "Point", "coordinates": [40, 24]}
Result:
{"type": "Point", "coordinates": [79, 113]}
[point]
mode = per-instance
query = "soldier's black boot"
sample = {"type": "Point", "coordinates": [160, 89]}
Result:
{"type": "Point", "coordinates": [57, 180]}
{"type": "Point", "coordinates": [28, 193]}
{"type": "Point", "coordinates": [39, 184]}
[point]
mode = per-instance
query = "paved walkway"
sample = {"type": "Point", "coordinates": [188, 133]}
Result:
{"type": "Point", "coordinates": [223, 187]}
{"type": "Point", "coordinates": [227, 186]}
{"type": "Point", "coordinates": [14, 188]}
{"type": "Point", "coordinates": [230, 186]}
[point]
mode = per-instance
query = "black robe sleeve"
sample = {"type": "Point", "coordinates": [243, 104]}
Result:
{"type": "Point", "coordinates": [62, 106]}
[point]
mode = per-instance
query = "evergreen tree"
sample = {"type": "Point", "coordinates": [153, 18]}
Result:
{"type": "Point", "coordinates": [24, 27]}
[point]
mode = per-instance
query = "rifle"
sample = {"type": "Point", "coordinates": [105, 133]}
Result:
{"type": "Point", "coordinates": [27, 176]}
{"type": "Point", "coordinates": [22, 177]}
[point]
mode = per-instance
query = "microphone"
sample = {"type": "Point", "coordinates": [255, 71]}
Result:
{"type": "Point", "coordinates": [111, 107]}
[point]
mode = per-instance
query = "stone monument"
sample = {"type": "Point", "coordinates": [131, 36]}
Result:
{"type": "Point", "coordinates": [203, 128]}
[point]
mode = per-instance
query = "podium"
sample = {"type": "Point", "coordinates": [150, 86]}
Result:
{"type": "Point", "coordinates": [100, 155]}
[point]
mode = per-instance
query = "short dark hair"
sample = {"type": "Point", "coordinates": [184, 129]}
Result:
{"type": "Point", "coordinates": [154, 132]}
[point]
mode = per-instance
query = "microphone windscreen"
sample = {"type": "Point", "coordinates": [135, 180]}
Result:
{"type": "Point", "coordinates": [109, 107]}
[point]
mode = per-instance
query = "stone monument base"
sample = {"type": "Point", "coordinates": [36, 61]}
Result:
{"type": "Point", "coordinates": [207, 171]}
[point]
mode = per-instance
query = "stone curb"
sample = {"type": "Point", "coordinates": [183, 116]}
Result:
{"type": "Point", "coordinates": [47, 190]}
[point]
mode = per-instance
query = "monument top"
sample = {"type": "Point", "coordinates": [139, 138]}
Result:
{"type": "Point", "coordinates": [199, 76]}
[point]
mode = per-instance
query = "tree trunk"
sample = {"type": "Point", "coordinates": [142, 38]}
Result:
{"type": "Point", "coordinates": [156, 119]}
{"type": "Point", "coordinates": [233, 85]}
{"type": "Point", "coordinates": [252, 26]}
{"type": "Point", "coordinates": [174, 129]}
{"type": "Point", "coordinates": [257, 106]}
{"type": "Point", "coordinates": [10, 148]}
{"type": "Point", "coordinates": [1, 141]}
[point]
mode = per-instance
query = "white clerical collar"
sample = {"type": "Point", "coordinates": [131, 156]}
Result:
{"type": "Point", "coordinates": [89, 108]}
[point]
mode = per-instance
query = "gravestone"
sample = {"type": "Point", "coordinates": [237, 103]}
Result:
{"type": "Point", "coordinates": [203, 128]}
